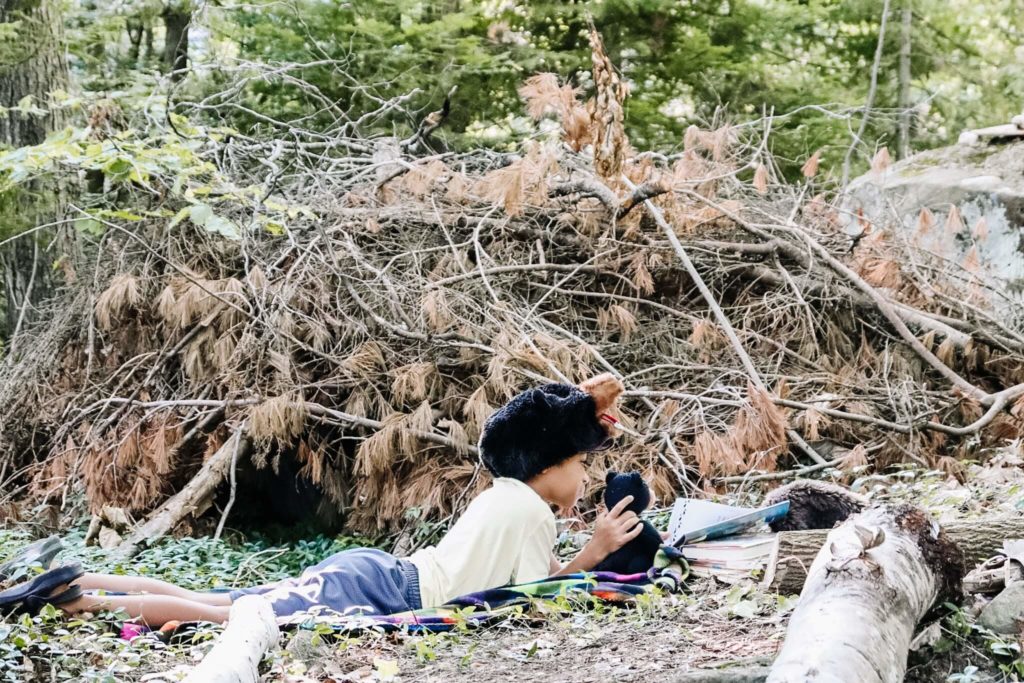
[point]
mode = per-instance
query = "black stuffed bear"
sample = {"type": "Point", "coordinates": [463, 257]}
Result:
{"type": "Point", "coordinates": [638, 555]}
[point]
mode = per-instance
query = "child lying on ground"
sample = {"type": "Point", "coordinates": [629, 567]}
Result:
{"type": "Point", "coordinates": [535, 446]}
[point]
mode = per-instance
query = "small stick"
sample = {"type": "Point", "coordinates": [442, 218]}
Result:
{"type": "Point", "coordinates": [234, 486]}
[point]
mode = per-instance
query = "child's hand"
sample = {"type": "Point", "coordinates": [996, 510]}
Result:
{"type": "Point", "coordinates": [614, 529]}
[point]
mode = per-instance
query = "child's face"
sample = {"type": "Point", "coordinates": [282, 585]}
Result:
{"type": "Point", "coordinates": [564, 484]}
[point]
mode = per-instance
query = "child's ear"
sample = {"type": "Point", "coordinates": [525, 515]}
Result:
{"type": "Point", "coordinates": [606, 389]}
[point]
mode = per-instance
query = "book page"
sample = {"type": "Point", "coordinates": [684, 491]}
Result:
{"type": "Point", "coordinates": [691, 514]}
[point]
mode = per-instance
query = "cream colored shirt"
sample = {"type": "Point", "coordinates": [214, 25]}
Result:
{"type": "Point", "coordinates": [505, 536]}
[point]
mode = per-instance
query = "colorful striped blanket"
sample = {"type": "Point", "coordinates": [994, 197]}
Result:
{"type": "Point", "coordinates": [476, 609]}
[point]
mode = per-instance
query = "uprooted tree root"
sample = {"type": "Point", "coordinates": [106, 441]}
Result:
{"type": "Point", "coordinates": [409, 296]}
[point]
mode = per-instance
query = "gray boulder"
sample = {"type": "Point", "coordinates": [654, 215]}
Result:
{"type": "Point", "coordinates": [1006, 610]}
{"type": "Point", "coordinates": [982, 181]}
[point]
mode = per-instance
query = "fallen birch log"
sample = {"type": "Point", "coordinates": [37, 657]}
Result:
{"type": "Point", "coordinates": [878, 574]}
{"type": "Point", "coordinates": [794, 551]}
{"type": "Point", "coordinates": [193, 498]}
{"type": "Point", "coordinates": [756, 674]}
{"type": "Point", "coordinates": [236, 656]}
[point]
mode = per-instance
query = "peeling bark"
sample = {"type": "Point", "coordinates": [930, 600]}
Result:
{"type": "Point", "coordinates": [877, 576]}
{"type": "Point", "coordinates": [794, 551]}
{"type": "Point", "coordinates": [236, 656]}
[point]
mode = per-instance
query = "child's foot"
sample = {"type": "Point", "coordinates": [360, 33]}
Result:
{"type": "Point", "coordinates": [51, 587]}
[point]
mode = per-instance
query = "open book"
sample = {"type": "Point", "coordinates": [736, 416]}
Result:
{"type": "Point", "coordinates": [696, 520]}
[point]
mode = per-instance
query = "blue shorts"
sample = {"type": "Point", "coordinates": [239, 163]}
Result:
{"type": "Point", "coordinates": [358, 581]}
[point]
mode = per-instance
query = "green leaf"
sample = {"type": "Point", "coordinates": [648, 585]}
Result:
{"type": "Point", "coordinates": [90, 226]}
{"type": "Point", "coordinates": [200, 213]}
{"type": "Point", "coordinates": [786, 603]}
{"type": "Point", "coordinates": [118, 169]}
{"type": "Point", "coordinates": [386, 669]}
{"type": "Point", "coordinates": [120, 213]}
{"type": "Point", "coordinates": [180, 216]}
{"type": "Point", "coordinates": [745, 609]}
{"type": "Point", "coordinates": [224, 227]}
{"type": "Point", "coordinates": [203, 216]}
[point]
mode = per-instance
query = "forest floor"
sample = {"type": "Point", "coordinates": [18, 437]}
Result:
{"type": "Point", "coordinates": [708, 626]}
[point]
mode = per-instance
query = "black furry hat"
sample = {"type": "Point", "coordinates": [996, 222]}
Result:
{"type": "Point", "coordinates": [541, 427]}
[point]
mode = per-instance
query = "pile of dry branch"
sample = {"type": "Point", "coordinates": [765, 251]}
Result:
{"type": "Point", "coordinates": [367, 344]}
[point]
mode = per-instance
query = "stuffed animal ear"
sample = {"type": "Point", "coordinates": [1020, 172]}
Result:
{"type": "Point", "coordinates": [543, 400]}
{"type": "Point", "coordinates": [610, 476]}
{"type": "Point", "coordinates": [606, 389]}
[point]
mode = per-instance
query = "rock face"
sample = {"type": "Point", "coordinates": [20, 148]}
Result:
{"type": "Point", "coordinates": [984, 181]}
{"type": "Point", "coordinates": [1004, 613]}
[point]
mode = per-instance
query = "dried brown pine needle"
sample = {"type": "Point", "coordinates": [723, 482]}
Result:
{"type": "Point", "coordinates": [413, 382]}
{"type": "Point", "coordinates": [477, 409]}
{"type": "Point", "coordinates": [881, 161]}
{"type": "Point", "coordinates": [925, 222]}
{"type": "Point", "coordinates": [853, 459]}
{"type": "Point", "coordinates": [437, 310]}
{"type": "Point", "coordinates": [543, 95]}
{"type": "Point", "coordinates": [276, 316]}
{"type": "Point", "coordinates": [641, 276]}
{"type": "Point", "coordinates": [280, 418]}
{"type": "Point", "coordinates": [954, 221]}
{"type": "Point", "coordinates": [692, 138]}
{"type": "Point", "coordinates": [972, 261]}
{"type": "Point", "coordinates": [761, 179]}
{"type": "Point", "coordinates": [606, 113]}
{"type": "Point", "coordinates": [121, 295]}
{"type": "Point", "coordinates": [810, 167]}
{"type": "Point", "coordinates": [980, 229]}
{"type": "Point", "coordinates": [366, 360]}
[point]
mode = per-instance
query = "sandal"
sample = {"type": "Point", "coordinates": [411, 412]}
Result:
{"type": "Point", "coordinates": [69, 594]}
{"type": "Point", "coordinates": [32, 595]}
{"type": "Point", "coordinates": [40, 552]}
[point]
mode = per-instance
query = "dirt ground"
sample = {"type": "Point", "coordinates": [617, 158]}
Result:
{"type": "Point", "coordinates": [669, 634]}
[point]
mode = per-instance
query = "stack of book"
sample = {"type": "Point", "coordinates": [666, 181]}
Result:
{"type": "Point", "coordinates": [709, 536]}
{"type": "Point", "coordinates": [729, 559]}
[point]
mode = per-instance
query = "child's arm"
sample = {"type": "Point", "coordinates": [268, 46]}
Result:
{"type": "Point", "coordinates": [612, 530]}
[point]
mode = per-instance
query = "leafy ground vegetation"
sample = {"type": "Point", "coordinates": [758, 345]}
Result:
{"type": "Point", "coordinates": [708, 625]}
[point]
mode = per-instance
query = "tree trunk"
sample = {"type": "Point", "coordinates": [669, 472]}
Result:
{"type": "Point", "coordinates": [176, 23]}
{"type": "Point", "coordinates": [26, 283]}
{"type": "Point", "coordinates": [31, 66]}
{"type": "Point", "coordinates": [903, 103]}
{"type": "Point", "coordinates": [135, 31]}
{"type": "Point", "coordinates": [794, 551]}
{"type": "Point", "coordinates": [880, 572]}
{"type": "Point", "coordinates": [235, 658]}
{"type": "Point", "coordinates": [34, 65]}
{"type": "Point", "coordinates": [147, 43]}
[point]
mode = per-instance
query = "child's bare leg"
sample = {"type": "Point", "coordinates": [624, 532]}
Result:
{"type": "Point", "coordinates": [140, 584]}
{"type": "Point", "coordinates": [154, 610]}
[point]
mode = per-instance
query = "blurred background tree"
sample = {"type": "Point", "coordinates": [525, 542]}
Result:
{"type": "Point", "coordinates": [943, 66]}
